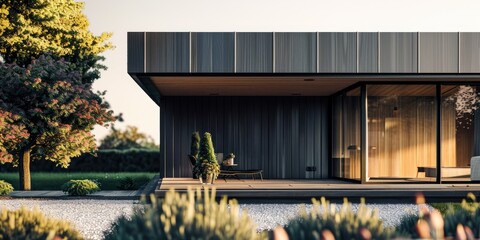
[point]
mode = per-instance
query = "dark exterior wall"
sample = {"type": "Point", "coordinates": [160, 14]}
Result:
{"type": "Point", "coordinates": [281, 135]}
{"type": "Point", "coordinates": [309, 52]}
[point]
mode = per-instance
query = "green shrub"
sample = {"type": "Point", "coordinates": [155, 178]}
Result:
{"type": "Point", "coordinates": [186, 216]}
{"type": "Point", "coordinates": [206, 161]}
{"type": "Point", "coordinates": [5, 188]}
{"type": "Point", "coordinates": [443, 208]}
{"type": "Point", "coordinates": [109, 160]}
{"type": "Point", "coordinates": [407, 226]}
{"type": "Point", "coordinates": [127, 183]}
{"type": "Point", "coordinates": [26, 224]}
{"type": "Point", "coordinates": [467, 215]}
{"type": "Point", "coordinates": [324, 221]}
{"type": "Point", "coordinates": [458, 220]}
{"type": "Point", "coordinates": [80, 187]}
{"type": "Point", "coordinates": [195, 147]}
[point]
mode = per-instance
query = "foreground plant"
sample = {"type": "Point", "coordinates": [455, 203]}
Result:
{"type": "Point", "coordinates": [26, 224]}
{"type": "Point", "coordinates": [5, 188]}
{"type": "Point", "coordinates": [80, 187]}
{"type": "Point", "coordinates": [186, 216]}
{"type": "Point", "coordinates": [326, 222]}
{"type": "Point", "coordinates": [459, 222]}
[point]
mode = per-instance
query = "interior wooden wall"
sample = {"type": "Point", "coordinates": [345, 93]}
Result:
{"type": "Point", "coordinates": [402, 140]}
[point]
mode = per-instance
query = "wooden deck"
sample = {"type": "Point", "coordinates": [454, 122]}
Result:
{"type": "Point", "coordinates": [247, 188]}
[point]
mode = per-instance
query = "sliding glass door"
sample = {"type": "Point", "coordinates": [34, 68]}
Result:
{"type": "Point", "coordinates": [460, 133]}
{"type": "Point", "coordinates": [346, 138]}
{"type": "Point", "coordinates": [401, 133]}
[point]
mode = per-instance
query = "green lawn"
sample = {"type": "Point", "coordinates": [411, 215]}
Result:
{"type": "Point", "coordinates": [54, 180]}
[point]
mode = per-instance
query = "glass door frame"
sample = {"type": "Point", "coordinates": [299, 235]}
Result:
{"type": "Point", "coordinates": [364, 178]}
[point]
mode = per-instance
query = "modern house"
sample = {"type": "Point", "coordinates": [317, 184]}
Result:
{"type": "Point", "coordinates": [363, 106]}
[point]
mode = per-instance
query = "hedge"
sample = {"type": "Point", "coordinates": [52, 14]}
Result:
{"type": "Point", "coordinates": [111, 160]}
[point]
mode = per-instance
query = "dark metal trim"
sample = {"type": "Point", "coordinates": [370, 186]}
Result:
{"type": "Point", "coordinates": [438, 106]}
{"type": "Point", "coordinates": [364, 133]}
{"type": "Point", "coordinates": [310, 74]}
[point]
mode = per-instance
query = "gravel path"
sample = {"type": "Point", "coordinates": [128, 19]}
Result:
{"type": "Point", "coordinates": [93, 217]}
{"type": "Point", "coordinates": [267, 216]}
{"type": "Point", "coordinates": [90, 217]}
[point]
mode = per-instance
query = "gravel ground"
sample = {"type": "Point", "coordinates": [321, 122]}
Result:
{"type": "Point", "coordinates": [90, 217]}
{"type": "Point", "coordinates": [93, 217]}
{"type": "Point", "coordinates": [267, 216]}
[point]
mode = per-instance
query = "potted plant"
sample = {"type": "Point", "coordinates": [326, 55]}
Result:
{"type": "Point", "coordinates": [229, 160]}
{"type": "Point", "coordinates": [210, 170]}
{"type": "Point", "coordinates": [206, 164]}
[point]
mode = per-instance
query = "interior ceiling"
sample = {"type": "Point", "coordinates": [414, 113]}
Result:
{"type": "Point", "coordinates": [285, 86]}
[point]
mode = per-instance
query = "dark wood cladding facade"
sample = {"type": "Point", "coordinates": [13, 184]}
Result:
{"type": "Point", "coordinates": [281, 135]}
{"type": "Point", "coordinates": [254, 52]}
{"type": "Point", "coordinates": [168, 52]}
{"type": "Point", "coordinates": [212, 52]}
{"type": "Point", "coordinates": [136, 52]}
{"type": "Point", "coordinates": [303, 52]}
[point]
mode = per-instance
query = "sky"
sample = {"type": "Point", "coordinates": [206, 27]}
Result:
{"type": "Point", "coordinates": [122, 16]}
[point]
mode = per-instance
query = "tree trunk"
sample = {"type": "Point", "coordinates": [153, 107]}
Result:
{"type": "Point", "coordinates": [24, 170]}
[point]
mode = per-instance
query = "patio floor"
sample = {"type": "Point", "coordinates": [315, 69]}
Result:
{"type": "Point", "coordinates": [332, 188]}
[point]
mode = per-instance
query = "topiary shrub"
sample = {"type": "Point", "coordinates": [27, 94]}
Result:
{"type": "Point", "coordinates": [195, 147]}
{"type": "Point", "coordinates": [80, 187]}
{"type": "Point", "coordinates": [325, 222]}
{"type": "Point", "coordinates": [26, 224]}
{"type": "Point", "coordinates": [186, 216]}
{"type": "Point", "coordinates": [5, 188]}
{"type": "Point", "coordinates": [206, 161]}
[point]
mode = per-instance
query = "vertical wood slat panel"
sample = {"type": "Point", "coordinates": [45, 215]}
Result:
{"type": "Point", "coordinates": [167, 51]}
{"type": "Point", "coordinates": [135, 52]}
{"type": "Point", "coordinates": [398, 52]}
{"type": "Point", "coordinates": [254, 52]}
{"type": "Point", "coordinates": [213, 52]}
{"type": "Point", "coordinates": [326, 52]}
{"type": "Point", "coordinates": [469, 52]}
{"type": "Point", "coordinates": [276, 136]}
{"type": "Point", "coordinates": [295, 52]}
{"type": "Point", "coordinates": [346, 52]}
{"type": "Point", "coordinates": [337, 52]}
{"type": "Point", "coordinates": [438, 52]}
{"type": "Point", "coordinates": [367, 52]}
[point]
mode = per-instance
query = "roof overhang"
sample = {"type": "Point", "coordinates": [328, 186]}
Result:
{"type": "Point", "coordinates": [157, 85]}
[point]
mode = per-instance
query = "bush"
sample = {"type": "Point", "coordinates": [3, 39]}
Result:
{"type": "Point", "coordinates": [467, 215]}
{"type": "Point", "coordinates": [458, 221]}
{"type": "Point", "coordinates": [5, 188]}
{"type": "Point", "coordinates": [80, 187]}
{"type": "Point", "coordinates": [127, 183]}
{"type": "Point", "coordinates": [129, 160]}
{"type": "Point", "coordinates": [407, 226]}
{"type": "Point", "coordinates": [186, 216]}
{"type": "Point", "coordinates": [206, 161]}
{"type": "Point", "coordinates": [26, 224]}
{"type": "Point", "coordinates": [325, 222]}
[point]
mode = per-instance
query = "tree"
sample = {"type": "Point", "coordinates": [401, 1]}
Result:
{"type": "Point", "coordinates": [29, 29]}
{"type": "Point", "coordinates": [127, 139]}
{"type": "Point", "coordinates": [48, 112]}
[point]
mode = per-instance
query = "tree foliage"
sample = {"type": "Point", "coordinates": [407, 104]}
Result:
{"type": "Point", "coordinates": [29, 29]}
{"type": "Point", "coordinates": [129, 138]}
{"type": "Point", "coordinates": [46, 108]}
